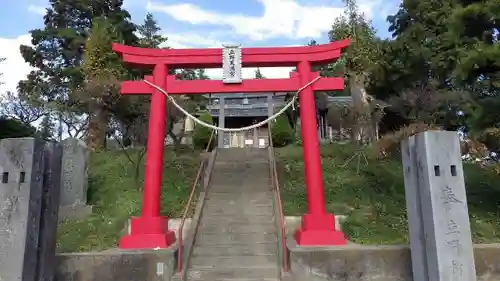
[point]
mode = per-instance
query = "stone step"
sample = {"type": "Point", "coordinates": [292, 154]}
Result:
{"type": "Point", "coordinates": [195, 273]}
{"type": "Point", "coordinates": [241, 181]}
{"type": "Point", "coordinates": [240, 175]}
{"type": "Point", "coordinates": [230, 189]}
{"type": "Point", "coordinates": [242, 164]}
{"type": "Point", "coordinates": [238, 153]}
{"type": "Point", "coordinates": [249, 179]}
{"type": "Point", "coordinates": [229, 169]}
{"type": "Point", "coordinates": [220, 228]}
{"type": "Point", "coordinates": [255, 262]}
{"type": "Point", "coordinates": [239, 203]}
{"type": "Point", "coordinates": [240, 218]}
{"type": "Point", "coordinates": [250, 199]}
{"type": "Point", "coordinates": [235, 279]}
{"type": "Point", "coordinates": [228, 211]}
{"type": "Point", "coordinates": [261, 249]}
{"type": "Point", "coordinates": [207, 239]}
{"type": "Point", "coordinates": [246, 210]}
{"type": "Point", "coordinates": [235, 198]}
{"type": "Point", "coordinates": [251, 194]}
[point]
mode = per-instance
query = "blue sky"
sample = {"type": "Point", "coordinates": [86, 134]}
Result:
{"type": "Point", "coordinates": [201, 23]}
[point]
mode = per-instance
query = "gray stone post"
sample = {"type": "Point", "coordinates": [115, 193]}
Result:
{"type": "Point", "coordinates": [326, 127]}
{"type": "Point", "coordinates": [320, 128]}
{"type": "Point", "coordinates": [414, 210]}
{"type": "Point", "coordinates": [74, 180]}
{"type": "Point", "coordinates": [222, 116]}
{"type": "Point", "coordinates": [21, 195]}
{"type": "Point", "coordinates": [255, 137]}
{"type": "Point", "coordinates": [270, 105]}
{"type": "Point", "coordinates": [270, 110]}
{"type": "Point", "coordinates": [50, 208]}
{"type": "Point", "coordinates": [438, 217]}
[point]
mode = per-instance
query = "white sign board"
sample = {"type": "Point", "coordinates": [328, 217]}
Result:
{"type": "Point", "coordinates": [262, 143]}
{"type": "Point", "coordinates": [231, 65]}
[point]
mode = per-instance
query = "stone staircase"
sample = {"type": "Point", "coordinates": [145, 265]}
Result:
{"type": "Point", "coordinates": [237, 235]}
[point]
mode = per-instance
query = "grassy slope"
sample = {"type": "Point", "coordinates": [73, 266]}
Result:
{"type": "Point", "coordinates": [115, 195]}
{"type": "Point", "coordinates": [374, 198]}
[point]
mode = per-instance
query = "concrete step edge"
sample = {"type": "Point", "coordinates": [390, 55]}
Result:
{"type": "Point", "coordinates": [201, 243]}
{"type": "Point", "coordinates": [216, 267]}
{"type": "Point", "coordinates": [269, 261]}
{"type": "Point", "coordinates": [238, 279]}
{"type": "Point", "coordinates": [229, 272]}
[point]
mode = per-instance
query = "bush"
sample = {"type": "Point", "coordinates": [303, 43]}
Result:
{"type": "Point", "coordinates": [14, 129]}
{"type": "Point", "coordinates": [281, 132]}
{"type": "Point", "coordinates": [298, 134]}
{"type": "Point", "coordinates": [201, 135]}
{"type": "Point", "coordinates": [389, 145]}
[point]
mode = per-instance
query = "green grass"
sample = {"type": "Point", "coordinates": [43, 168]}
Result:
{"type": "Point", "coordinates": [116, 194]}
{"type": "Point", "coordinates": [374, 199]}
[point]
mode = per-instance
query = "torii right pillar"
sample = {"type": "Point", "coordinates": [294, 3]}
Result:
{"type": "Point", "coordinates": [318, 226]}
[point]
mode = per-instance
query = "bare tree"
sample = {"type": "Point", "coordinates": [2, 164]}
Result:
{"type": "Point", "coordinates": [75, 125]}
{"type": "Point", "coordinates": [136, 129]}
{"type": "Point", "coordinates": [1, 74]}
{"type": "Point", "coordinates": [16, 108]}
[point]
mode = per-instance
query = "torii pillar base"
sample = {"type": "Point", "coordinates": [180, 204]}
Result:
{"type": "Point", "coordinates": [319, 230]}
{"type": "Point", "coordinates": [148, 233]}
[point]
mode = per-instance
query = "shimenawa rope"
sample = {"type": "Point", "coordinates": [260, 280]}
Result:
{"type": "Point", "coordinates": [201, 122]}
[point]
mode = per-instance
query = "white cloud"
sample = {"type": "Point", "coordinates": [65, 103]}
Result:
{"type": "Point", "coordinates": [249, 73]}
{"type": "Point", "coordinates": [281, 18]}
{"type": "Point", "coordinates": [14, 68]}
{"type": "Point", "coordinates": [192, 40]}
{"type": "Point", "coordinates": [38, 10]}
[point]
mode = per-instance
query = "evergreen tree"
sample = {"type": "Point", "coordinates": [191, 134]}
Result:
{"type": "Point", "coordinates": [363, 53]}
{"type": "Point", "coordinates": [201, 134]}
{"type": "Point", "coordinates": [281, 132]}
{"type": "Point", "coordinates": [47, 128]}
{"type": "Point", "coordinates": [258, 74]}
{"type": "Point", "coordinates": [422, 39]}
{"type": "Point", "coordinates": [419, 64]}
{"type": "Point", "coordinates": [58, 50]}
{"type": "Point", "coordinates": [149, 33]}
{"type": "Point", "coordinates": [358, 64]}
{"type": "Point", "coordinates": [103, 72]}
{"type": "Point", "coordinates": [201, 74]}
{"type": "Point", "coordinates": [477, 25]}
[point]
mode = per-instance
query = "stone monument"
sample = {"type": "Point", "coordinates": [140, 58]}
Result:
{"type": "Point", "coordinates": [188, 131]}
{"type": "Point", "coordinates": [50, 210]}
{"type": "Point", "coordinates": [74, 180]}
{"type": "Point", "coordinates": [440, 235]}
{"type": "Point", "coordinates": [29, 195]}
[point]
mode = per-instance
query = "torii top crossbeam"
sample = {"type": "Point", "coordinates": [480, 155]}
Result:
{"type": "Point", "coordinates": [251, 57]}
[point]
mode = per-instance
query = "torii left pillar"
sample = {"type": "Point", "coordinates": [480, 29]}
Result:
{"type": "Point", "coordinates": [150, 230]}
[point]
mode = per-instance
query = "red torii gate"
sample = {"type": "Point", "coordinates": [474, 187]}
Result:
{"type": "Point", "coordinates": [150, 230]}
